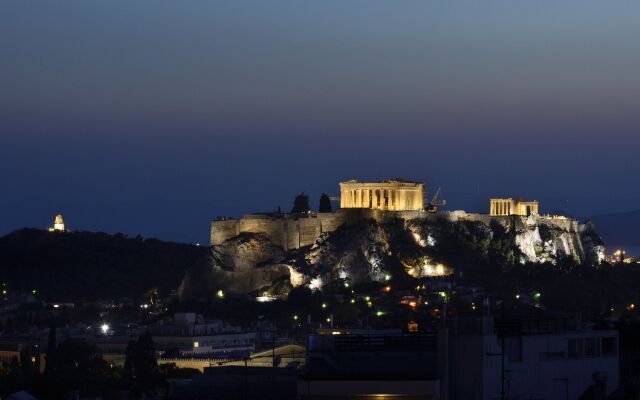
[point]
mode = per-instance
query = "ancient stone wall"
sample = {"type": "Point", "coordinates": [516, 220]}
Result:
{"type": "Point", "coordinates": [290, 232]}
{"type": "Point", "coordinates": [293, 232]}
{"type": "Point", "coordinates": [222, 230]}
{"type": "Point", "coordinates": [566, 224]}
{"type": "Point", "coordinates": [329, 222]}
{"type": "Point", "coordinates": [272, 227]}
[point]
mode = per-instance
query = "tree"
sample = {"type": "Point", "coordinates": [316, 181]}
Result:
{"type": "Point", "coordinates": [325, 204]}
{"type": "Point", "coordinates": [301, 204]}
{"type": "Point", "coordinates": [141, 364]}
{"type": "Point", "coordinates": [79, 367]}
{"type": "Point", "coordinates": [52, 344]}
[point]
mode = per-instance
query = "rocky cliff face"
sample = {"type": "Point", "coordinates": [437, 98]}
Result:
{"type": "Point", "coordinates": [378, 251]}
{"type": "Point", "coordinates": [242, 264]}
{"type": "Point", "coordinates": [543, 239]}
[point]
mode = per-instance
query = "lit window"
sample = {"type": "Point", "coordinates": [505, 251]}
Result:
{"type": "Point", "coordinates": [196, 344]}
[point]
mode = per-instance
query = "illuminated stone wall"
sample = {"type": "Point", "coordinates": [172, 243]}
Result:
{"type": "Point", "coordinates": [390, 195]}
{"type": "Point", "coordinates": [222, 230]}
{"type": "Point", "coordinates": [288, 231]}
{"type": "Point", "coordinates": [270, 226]}
{"type": "Point", "coordinates": [293, 232]}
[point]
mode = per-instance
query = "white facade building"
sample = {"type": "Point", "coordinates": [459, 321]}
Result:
{"type": "Point", "coordinates": [190, 333]}
{"type": "Point", "coordinates": [543, 361]}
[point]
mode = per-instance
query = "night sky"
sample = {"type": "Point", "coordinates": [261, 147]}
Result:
{"type": "Point", "coordinates": [153, 117]}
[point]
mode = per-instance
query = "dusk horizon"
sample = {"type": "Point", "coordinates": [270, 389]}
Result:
{"type": "Point", "coordinates": [154, 119]}
{"type": "Point", "coordinates": [289, 200]}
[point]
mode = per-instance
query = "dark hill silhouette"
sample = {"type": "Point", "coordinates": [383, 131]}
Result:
{"type": "Point", "coordinates": [84, 266]}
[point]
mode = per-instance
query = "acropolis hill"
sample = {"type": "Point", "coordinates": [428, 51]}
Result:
{"type": "Point", "coordinates": [401, 199]}
{"type": "Point", "coordinates": [383, 229]}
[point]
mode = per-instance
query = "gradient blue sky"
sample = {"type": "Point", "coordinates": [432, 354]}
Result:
{"type": "Point", "coordinates": [153, 117]}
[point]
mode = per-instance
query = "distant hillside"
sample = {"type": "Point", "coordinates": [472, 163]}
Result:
{"type": "Point", "coordinates": [87, 266]}
{"type": "Point", "coordinates": [620, 230]}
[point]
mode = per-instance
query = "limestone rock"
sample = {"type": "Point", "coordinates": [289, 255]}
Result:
{"type": "Point", "coordinates": [369, 250]}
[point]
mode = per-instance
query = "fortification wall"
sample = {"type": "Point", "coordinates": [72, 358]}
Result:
{"type": "Point", "coordinates": [562, 223]}
{"type": "Point", "coordinates": [569, 225]}
{"type": "Point", "coordinates": [290, 232]}
{"type": "Point", "coordinates": [271, 227]}
{"type": "Point", "coordinates": [223, 230]}
{"type": "Point", "coordinates": [353, 215]}
{"type": "Point", "coordinates": [293, 232]}
{"type": "Point", "coordinates": [460, 215]}
{"type": "Point", "coordinates": [329, 222]}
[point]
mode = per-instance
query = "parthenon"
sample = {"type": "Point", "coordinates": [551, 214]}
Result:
{"type": "Point", "coordinates": [509, 206]}
{"type": "Point", "coordinates": [392, 195]}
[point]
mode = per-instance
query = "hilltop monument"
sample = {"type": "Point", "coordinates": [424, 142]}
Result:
{"type": "Point", "coordinates": [392, 198]}
{"type": "Point", "coordinates": [388, 195]}
{"type": "Point", "coordinates": [404, 200]}
{"type": "Point", "coordinates": [58, 224]}
{"type": "Point", "coordinates": [509, 206]}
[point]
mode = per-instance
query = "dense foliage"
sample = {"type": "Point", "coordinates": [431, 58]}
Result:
{"type": "Point", "coordinates": [84, 266]}
{"type": "Point", "coordinates": [301, 204]}
{"type": "Point", "coordinates": [77, 368]}
{"type": "Point", "coordinates": [325, 203]}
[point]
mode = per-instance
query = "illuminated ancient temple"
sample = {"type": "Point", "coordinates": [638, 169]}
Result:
{"type": "Point", "coordinates": [391, 195]}
{"type": "Point", "coordinates": [509, 206]}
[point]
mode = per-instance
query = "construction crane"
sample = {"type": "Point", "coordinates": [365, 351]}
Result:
{"type": "Point", "coordinates": [435, 202]}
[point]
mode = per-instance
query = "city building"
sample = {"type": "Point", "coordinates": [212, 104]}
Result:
{"type": "Point", "coordinates": [371, 366]}
{"type": "Point", "coordinates": [191, 334]}
{"type": "Point", "coordinates": [237, 382]}
{"type": "Point", "coordinates": [509, 206]}
{"type": "Point", "coordinates": [530, 356]}
{"type": "Point", "coordinates": [533, 357]}
{"type": "Point", "coordinates": [12, 352]}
